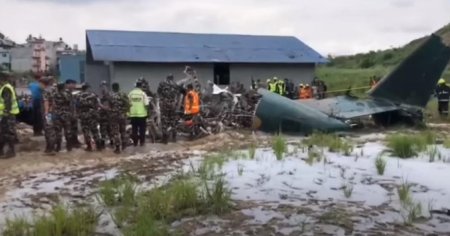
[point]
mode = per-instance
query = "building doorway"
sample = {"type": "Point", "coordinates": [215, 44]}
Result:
{"type": "Point", "coordinates": [222, 74]}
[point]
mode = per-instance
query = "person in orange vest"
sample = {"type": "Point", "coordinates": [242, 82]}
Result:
{"type": "Point", "coordinates": [308, 92]}
{"type": "Point", "coordinates": [191, 102]}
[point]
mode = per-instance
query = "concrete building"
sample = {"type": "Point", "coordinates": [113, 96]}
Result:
{"type": "Point", "coordinates": [72, 67]}
{"type": "Point", "coordinates": [124, 56]}
{"type": "Point", "coordinates": [37, 55]}
{"type": "Point", "coordinates": [5, 59]}
{"type": "Point", "coordinates": [22, 58]}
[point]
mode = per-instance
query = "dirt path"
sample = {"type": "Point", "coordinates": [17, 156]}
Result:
{"type": "Point", "coordinates": [27, 163]}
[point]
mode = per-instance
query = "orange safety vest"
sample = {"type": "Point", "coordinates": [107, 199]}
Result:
{"type": "Point", "coordinates": [194, 107]}
{"type": "Point", "coordinates": [309, 93]}
{"type": "Point", "coordinates": [305, 93]}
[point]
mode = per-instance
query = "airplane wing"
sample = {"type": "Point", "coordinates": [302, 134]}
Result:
{"type": "Point", "coordinates": [345, 107]}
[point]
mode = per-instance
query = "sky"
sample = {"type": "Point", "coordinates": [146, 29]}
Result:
{"type": "Point", "coordinates": [332, 27]}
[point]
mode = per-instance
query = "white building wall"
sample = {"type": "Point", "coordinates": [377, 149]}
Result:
{"type": "Point", "coordinates": [22, 59]}
{"type": "Point", "coordinates": [126, 74]}
{"type": "Point", "coordinates": [5, 58]}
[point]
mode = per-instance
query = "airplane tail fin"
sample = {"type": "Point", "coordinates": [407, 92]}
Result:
{"type": "Point", "coordinates": [414, 80]}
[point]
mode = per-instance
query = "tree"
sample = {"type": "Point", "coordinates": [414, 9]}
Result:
{"type": "Point", "coordinates": [367, 63]}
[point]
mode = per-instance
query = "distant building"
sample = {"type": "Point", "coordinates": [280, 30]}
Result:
{"type": "Point", "coordinates": [22, 59]}
{"type": "Point", "coordinates": [6, 43]}
{"type": "Point", "coordinates": [5, 59]}
{"type": "Point", "coordinates": [124, 56]}
{"type": "Point", "coordinates": [72, 67]}
{"type": "Point", "coordinates": [37, 55]}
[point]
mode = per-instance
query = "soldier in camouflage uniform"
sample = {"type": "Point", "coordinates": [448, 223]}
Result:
{"type": "Point", "coordinates": [87, 111]}
{"type": "Point", "coordinates": [168, 92]}
{"type": "Point", "coordinates": [63, 115]}
{"type": "Point", "coordinates": [120, 106]}
{"type": "Point", "coordinates": [70, 87]}
{"type": "Point", "coordinates": [49, 127]}
{"type": "Point", "coordinates": [104, 117]}
{"type": "Point", "coordinates": [9, 108]}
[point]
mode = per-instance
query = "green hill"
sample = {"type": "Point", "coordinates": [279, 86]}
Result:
{"type": "Point", "coordinates": [384, 58]}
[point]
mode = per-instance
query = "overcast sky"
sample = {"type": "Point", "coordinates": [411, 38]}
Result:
{"type": "Point", "coordinates": [329, 26]}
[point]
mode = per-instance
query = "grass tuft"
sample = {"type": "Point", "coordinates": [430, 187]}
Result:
{"type": "Point", "coordinates": [17, 227]}
{"type": "Point", "coordinates": [433, 153]}
{"type": "Point", "coordinates": [380, 164]}
{"type": "Point", "coordinates": [252, 151]}
{"type": "Point", "coordinates": [279, 146]}
{"type": "Point", "coordinates": [414, 212]}
{"type": "Point", "coordinates": [218, 197]}
{"type": "Point", "coordinates": [313, 156]}
{"type": "Point", "coordinates": [61, 221]}
{"type": "Point", "coordinates": [404, 146]}
{"type": "Point", "coordinates": [348, 190]}
{"type": "Point", "coordinates": [404, 193]}
{"type": "Point", "coordinates": [333, 142]}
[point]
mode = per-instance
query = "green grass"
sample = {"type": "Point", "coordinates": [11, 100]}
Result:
{"type": "Point", "coordinates": [339, 80]}
{"type": "Point", "coordinates": [61, 221]}
{"type": "Point", "coordinates": [217, 197]}
{"type": "Point", "coordinates": [380, 164]}
{"type": "Point", "coordinates": [404, 193]}
{"type": "Point", "coordinates": [413, 212]}
{"type": "Point", "coordinates": [333, 142]}
{"type": "Point", "coordinates": [240, 169]}
{"type": "Point", "coordinates": [120, 190]}
{"type": "Point", "coordinates": [151, 212]}
{"type": "Point", "coordinates": [409, 145]}
{"type": "Point", "coordinates": [347, 189]}
{"type": "Point", "coordinates": [252, 150]}
{"type": "Point", "coordinates": [279, 146]}
{"type": "Point", "coordinates": [337, 216]}
{"type": "Point", "coordinates": [447, 143]}
{"type": "Point", "coordinates": [313, 156]}
{"type": "Point", "coordinates": [404, 146]}
{"type": "Point", "coordinates": [433, 153]}
{"type": "Point", "coordinates": [18, 227]}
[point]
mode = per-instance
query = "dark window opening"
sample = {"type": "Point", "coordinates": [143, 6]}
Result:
{"type": "Point", "coordinates": [222, 74]}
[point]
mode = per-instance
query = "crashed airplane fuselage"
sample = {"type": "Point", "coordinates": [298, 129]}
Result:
{"type": "Point", "coordinates": [406, 90]}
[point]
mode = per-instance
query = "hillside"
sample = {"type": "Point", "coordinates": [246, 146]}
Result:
{"type": "Point", "coordinates": [384, 58]}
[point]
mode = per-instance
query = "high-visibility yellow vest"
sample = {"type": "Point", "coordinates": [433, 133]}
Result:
{"type": "Point", "coordinates": [281, 87]}
{"type": "Point", "coordinates": [273, 87]}
{"type": "Point", "coordinates": [137, 108]}
{"type": "Point", "coordinates": [14, 106]}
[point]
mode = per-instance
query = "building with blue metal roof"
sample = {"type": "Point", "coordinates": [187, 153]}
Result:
{"type": "Point", "coordinates": [124, 56]}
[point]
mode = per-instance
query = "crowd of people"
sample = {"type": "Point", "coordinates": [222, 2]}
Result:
{"type": "Point", "coordinates": [285, 87]}
{"type": "Point", "coordinates": [58, 109]}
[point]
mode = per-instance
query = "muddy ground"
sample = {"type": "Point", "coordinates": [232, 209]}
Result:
{"type": "Point", "coordinates": [32, 182]}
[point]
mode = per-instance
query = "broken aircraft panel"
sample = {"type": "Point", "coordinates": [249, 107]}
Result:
{"type": "Point", "coordinates": [407, 87]}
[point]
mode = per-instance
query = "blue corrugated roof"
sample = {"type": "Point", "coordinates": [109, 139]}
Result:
{"type": "Point", "coordinates": [133, 46]}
